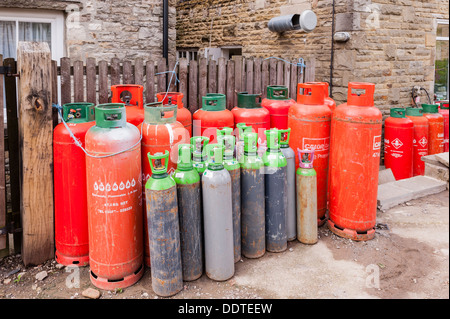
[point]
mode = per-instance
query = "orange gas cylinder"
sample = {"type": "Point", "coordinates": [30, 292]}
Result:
{"type": "Point", "coordinates": [114, 193]}
{"type": "Point", "coordinates": [420, 142]}
{"type": "Point", "coordinates": [436, 125]}
{"type": "Point", "coordinates": [328, 100]}
{"type": "Point", "coordinates": [212, 116]}
{"type": "Point", "coordinates": [310, 122]}
{"type": "Point", "coordinates": [354, 162]}
{"type": "Point", "coordinates": [184, 116]}
{"type": "Point", "coordinates": [132, 95]}
{"type": "Point", "coordinates": [161, 132]}
{"type": "Point", "coordinates": [278, 103]}
{"type": "Point", "coordinates": [250, 112]}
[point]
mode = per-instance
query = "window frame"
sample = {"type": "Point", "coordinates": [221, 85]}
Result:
{"type": "Point", "coordinates": [444, 22]}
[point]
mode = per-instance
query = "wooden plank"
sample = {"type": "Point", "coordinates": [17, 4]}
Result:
{"type": "Point", "coordinates": [250, 75]}
{"type": "Point", "coordinates": [193, 87]}
{"type": "Point", "coordinates": [237, 77]}
{"type": "Point", "coordinates": [265, 77]}
{"type": "Point", "coordinates": [66, 81]}
{"type": "Point", "coordinates": [78, 81]}
{"type": "Point", "coordinates": [35, 140]}
{"type": "Point", "coordinates": [244, 75]}
{"type": "Point", "coordinates": [202, 77]}
{"type": "Point", "coordinates": [294, 80]}
{"type": "Point", "coordinates": [103, 87]}
{"type": "Point", "coordinates": [161, 78]}
{"type": "Point", "coordinates": [222, 76]}
{"type": "Point", "coordinates": [310, 70]}
{"type": "Point", "coordinates": [231, 84]}
{"type": "Point", "coordinates": [91, 81]}
{"type": "Point", "coordinates": [128, 77]}
{"type": "Point", "coordinates": [273, 72]}
{"type": "Point", "coordinates": [115, 71]}
{"type": "Point", "coordinates": [257, 88]}
{"type": "Point", "coordinates": [55, 92]}
{"type": "Point", "coordinates": [183, 77]}
{"type": "Point", "coordinates": [172, 77]}
{"type": "Point", "coordinates": [139, 71]}
{"type": "Point", "coordinates": [280, 72]}
{"type": "Point", "coordinates": [150, 82]}
{"type": "Point", "coordinates": [212, 76]}
{"type": "Point", "coordinates": [2, 164]}
{"type": "Point", "coordinates": [287, 74]}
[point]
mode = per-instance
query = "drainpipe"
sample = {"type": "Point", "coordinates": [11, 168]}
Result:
{"type": "Point", "coordinates": [332, 51]}
{"type": "Point", "coordinates": [166, 29]}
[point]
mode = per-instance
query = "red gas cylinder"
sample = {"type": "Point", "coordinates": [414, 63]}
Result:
{"type": "Point", "coordinates": [328, 100]}
{"type": "Point", "coordinates": [114, 192]}
{"type": "Point", "coordinates": [435, 128]}
{"type": "Point", "coordinates": [184, 116]}
{"type": "Point", "coordinates": [212, 116]}
{"type": "Point", "coordinates": [398, 144]}
{"type": "Point", "coordinates": [69, 164]}
{"type": "Point", "coordinates": [310, 122]}
{"type": "Point", "coordinates": [420, 142]}
{"type": "Point", "coordinates": [444, 111]}
{"type": "Point", "coordinates": [132, 95]}
{"type": "Point", "coordinates": [250, 112]}
{"type": "Point", "coordinates": [278, 103]}
{"type": "Point", "coordinates": [160, 132]}
{"type": "Point", "coordinates": [354, 162]}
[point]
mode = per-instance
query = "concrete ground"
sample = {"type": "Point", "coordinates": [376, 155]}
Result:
{"type": "Point", "coordinates": [408, 258]}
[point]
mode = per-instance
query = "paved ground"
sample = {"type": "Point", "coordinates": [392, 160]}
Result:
{"type": "Point", "coordinates": [409, 259]}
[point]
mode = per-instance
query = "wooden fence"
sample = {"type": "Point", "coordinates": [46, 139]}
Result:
{"type": "Point", "coordinates": [90, 81]}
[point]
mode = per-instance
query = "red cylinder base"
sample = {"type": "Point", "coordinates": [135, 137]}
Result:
{"type": "Point", "coordinates": [350, 233]}
{"type": "Point", "coordinates": [108, 284]}
{"type": "Point", "coordinates": [321, 221]}
{"type": "Point", "coordinates": [70, 260]}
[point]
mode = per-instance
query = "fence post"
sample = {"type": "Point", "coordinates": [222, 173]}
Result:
{"type": "Point", "coordinates": [2, 168]}
{"type": "Point", "coordinates": [35, 140]}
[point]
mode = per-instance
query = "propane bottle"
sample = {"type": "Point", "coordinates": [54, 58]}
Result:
{"type": "Point", "coordinates": [398, 144]}
{"type": "Point", "coordinates": [114, 192]}
{"type": "Point", "coordinates": [242, 129]}
{"type": "Point", "coordinates": [307, 229]}
{"type": "Point", "coordinates": [199, 144]}
{"type": "Point", "coordinates": [310, 123]}
{"type": "Point", "coordinates": [420, 142]}
{"type": "Point", "coordinates": [163, 228]}
{"type": "Point", "coordinates": [132, 95]}
{"type": "Point", "coordinates": [212, 116]}
{"type": "Point", "coordinates": [217, 217]}
{"type": "Point", "coordinates": [190, 212]}
{"type": "Point", "coordinates": [275, 169]}
{"type": "Point", "coordinates": [160, 132]}
{"type": "Point", "coordinates": [252, 200]}
{"type": "Point", "coordinates": [233, 167]}
{"type": "Point", "coordinates": [354, 163]}
{"type": "Point", "coordinates": [250, 112]}
{"type": "Point", "coordinates": [328, 101]}
{"type": "Point", "coordinates": [444, 110]}
{"type": "Point", "coordinates": [71, 219]}
{"type": "Point", "coordinates": [278, 103]}
{"type": "Point", "coordinates": [435, 128]}
{"type": "Point", "coordinates": [184, 116]}
{"type": "Point", "coordinates": [291, 215]}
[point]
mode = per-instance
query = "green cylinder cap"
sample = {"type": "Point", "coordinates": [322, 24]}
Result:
{"type": "Point", "coordinates": [250, 141]}
{"type": "Point", "coordinates": [273, 139]}
{"type": "Point", "coordinates": [199, 144]}
{"type": "Point", "coordinates": [159, 169]}
{"type": "Point", "coordinates": [285, 136]}
{"type": "Point", "coordinates": [110, 115]}
{"type": "Point", "coordinates": [414, 111]}
{"type": "Point", "coordinates": [228, 142]}
{"type": "Point", "coordinates": [225, 131]}
{"type": "Point", "coordinates": [184, 157]}
{"type": "Point", "coordinates": [215, 156]}
{"type": "Point", "coordinates": [243, 128]}
{"type": "Point", "coordinates": [248, 101]}
{"type": "Point", "coordinates": [154, 113]}
{"type": "Point", "coordinates": [80, 112]}
{"type": "Point", "coordinates": [444, 105]}
{"type": "Point", "coordinates": [398, 112]}
{"type": "Point", "coordinates": [214, 102]}
{"type": "Point", "coordinates": [430, 108]}
{"type": "Point", "coordinates": [277, 92]}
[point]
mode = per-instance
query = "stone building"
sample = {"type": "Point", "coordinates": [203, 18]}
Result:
{"type": "Point", "coordinates": [395, 44]}
{"type": "Point", "coordinates": [102, 29]}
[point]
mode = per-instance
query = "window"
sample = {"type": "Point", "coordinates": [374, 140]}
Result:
{"type": "Point", "coordinates": [189, 54]}
{"type": "Point", "coordinates": [31, 25]}
{"type": "Point", "coordinates": [441, 64]}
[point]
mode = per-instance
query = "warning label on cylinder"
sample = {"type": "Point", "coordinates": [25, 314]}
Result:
{"type": "Point", "coordinates": [114, 197]}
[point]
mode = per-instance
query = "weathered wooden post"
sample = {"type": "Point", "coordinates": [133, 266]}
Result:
{"type": "Point", "coordinates": [35, 140]}
{"type": "Point", "coordinates": [3, 231]}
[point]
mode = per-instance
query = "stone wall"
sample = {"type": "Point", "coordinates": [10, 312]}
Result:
{"type": "Point", "coordinates": [392, 42]}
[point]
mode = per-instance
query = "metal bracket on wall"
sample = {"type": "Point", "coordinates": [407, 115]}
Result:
{"type": "Point", "coordinates": [6, 70]}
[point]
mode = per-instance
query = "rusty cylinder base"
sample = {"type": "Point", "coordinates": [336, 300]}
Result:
{"type": "Point", "coordinates": [79, 261]}
{"type": "Point", "coordinates": [107, 284]}
{"type": "Point", "coordinates": [350, 233]}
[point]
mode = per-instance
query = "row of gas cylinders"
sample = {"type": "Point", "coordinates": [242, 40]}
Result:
{"type": "Point", "coordinates": [411, 133]}
{"type": "Point", "coordinates": [100, 200]}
